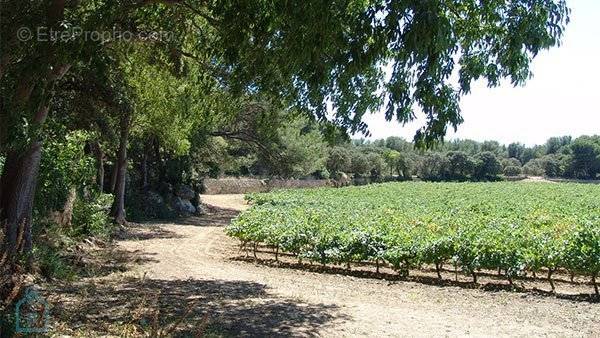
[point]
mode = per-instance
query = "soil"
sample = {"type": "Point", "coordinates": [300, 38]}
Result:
{"type": "Point", "coordinates": [189, 278]}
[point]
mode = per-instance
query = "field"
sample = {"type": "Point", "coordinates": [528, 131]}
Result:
{"type": "Point", "coordinates": [512, 228]}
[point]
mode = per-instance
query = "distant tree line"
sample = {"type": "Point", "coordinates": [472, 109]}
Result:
{"type": "Point", "coordinates": [457, 160]}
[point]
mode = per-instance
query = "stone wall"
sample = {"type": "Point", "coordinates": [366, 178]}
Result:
{"type": "Point", "coordinates": [248, 185]}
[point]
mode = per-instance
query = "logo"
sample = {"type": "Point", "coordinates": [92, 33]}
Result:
{"type": "Point", "coordinates": [31, 313]}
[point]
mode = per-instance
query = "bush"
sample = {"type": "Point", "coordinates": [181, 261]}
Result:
{"type": "Point", "coordinates": [142, 206]}
{"type": "Point", "coordinates": [360, 165]}
{"type": "Point", "coordinates": [512, 171]}
{"type": "Point", "coordinates": [51, 263]}
{"type": "Point", "coordinates": [552, 165]}
{"type": "Point", "coordinates": [487, 166]}
{"type": "Point", "coordinates": [433, 167]}
{"type": "Point", "coordinates": [64, 164]}
{"type": "Point", "coordinates": [534, 168]}
{"type": "Point", "coordinates": [460, 165]}
{"type": "Point", "coordinates": [339, 160]}
{"type": "Point", "coordinates": [585, 158]}
{"type": "Point", "coordinates": [511, 167]}
{"type": "Point", "coordinates": [91, 215]}
{"type": "Point", "coordinates": [377, 165]}
{"type": "Point", "coordinates": [322, 174]}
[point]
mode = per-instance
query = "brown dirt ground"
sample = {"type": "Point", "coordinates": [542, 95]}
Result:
{"type": "Point", "coordinates": [192, 266]}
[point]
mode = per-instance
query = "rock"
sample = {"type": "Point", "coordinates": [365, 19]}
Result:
{"type": "Point", "coordinates": [183, 206]}
{"type": "Point", "coordinates": [165, 188]}
{"type": "Point", "coordinates": [154, 198]}
{"type": "Point", "coordinates": [185, 192]}
{"type": "Point", "coordinates": [342, 180]}
{"type": "Point", "coordinates": [201, 210]}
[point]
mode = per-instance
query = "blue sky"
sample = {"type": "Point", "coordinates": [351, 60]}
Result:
{"type": "Point", "coordinates": [562, 98]}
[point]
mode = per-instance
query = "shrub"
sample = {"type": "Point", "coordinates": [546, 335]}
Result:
{"type": "Point", "coordinates": [64, 164]}
{"type": "Point", "coordinates": [339, 160]}
{"type": "Point", "coordinates": [91, 215]}
{"type": "Point", "coordinates": [359, 164]}
{"type": "Point", "coordinates": [487, 166]}
{"type": "Point", "coordinates": [321, 174]}
{"type": "Point", "coordinates": [460, 165]}
{"type": "Point", "coordinates": [534, 168]}
{"type": "Point", "coordinates": [377, 165]}
{"type": "Point", "coordinates": [512, 171]}
{"type": "Point", "coordinates": [433, 167]}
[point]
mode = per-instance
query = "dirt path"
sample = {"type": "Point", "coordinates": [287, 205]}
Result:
{"type": "Point", "coordinates": [261, 300]}
{"type": "Point", "coordinates": [193, 261]}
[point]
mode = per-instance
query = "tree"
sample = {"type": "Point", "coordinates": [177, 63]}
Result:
{"type": "Point", "coordinates": [460, 165]}
{"type": "Point", "coordinates": [494, 147]}
{"type": "Point", "coordinates": [534, 167]}
{"type": "Point", "coordinates": [511, 167]}
{"type": "Point", "coordinates": [532, 153]}
{"type": "Point", "coordinates": [261, 46]}
{"type": "Point", "coordinates": [399, 144]}
{"type": "Point", "coordinates": [516, 150]}
{"type": "Point", "coordinates": [585, 158]}
{"type": "Point", "coordinates": [433, 167]}
{"type": "Point", "coordinates": [405, 165]}
{"type": "Point", "coordinates": [553, 165]}
{"type": "Point", "coordinates": [360, 165]}
{"type": "Point", "coordinates": [487, 167]}
{"type": "Point", "coordinates": [555, 144]}
{"type": "Point", "coordinates": [339, 160]}
{"type": "Point", "coordinates": [302, 150]}
{"type": "Point", "coordinates": [391, 159]}
{"type": "Point", "coordinates": [376, 163]}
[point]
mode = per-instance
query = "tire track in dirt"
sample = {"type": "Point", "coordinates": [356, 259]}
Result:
{"type": "Point", "coordinates": [200, 250]}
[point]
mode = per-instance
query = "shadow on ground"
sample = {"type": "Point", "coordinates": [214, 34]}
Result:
{"type": "Point", "coordinates": [493, 284]}
{"type": "Point", "coordinates": [234, 308]}
{"type": "Point", "coordinates": [215, 216]}
{"type": "Point", "coordinates": [105, 260]}
{"type": "Point", "coordinates": [144, 231]}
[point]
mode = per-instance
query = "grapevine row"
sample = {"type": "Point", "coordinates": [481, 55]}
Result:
{"type": "Point", "coordinates": [513, 227]}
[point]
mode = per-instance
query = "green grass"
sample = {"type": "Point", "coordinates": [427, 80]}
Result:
{"type": "Point", "coordinates": [515, 227]}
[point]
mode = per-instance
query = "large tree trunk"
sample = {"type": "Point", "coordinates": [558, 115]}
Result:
{"type": "Point", "coordinates": [113, 175]}
{"type": "Point", "coordinates": [118, 209]}
{"type": "Point", "coordinates": [17, 190]}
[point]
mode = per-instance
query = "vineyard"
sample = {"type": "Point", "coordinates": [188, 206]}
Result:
{"type": "Point", "coordinates": [514, 228]}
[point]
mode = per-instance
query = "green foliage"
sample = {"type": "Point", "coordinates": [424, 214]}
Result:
{"type": "Point", "coordinates": [90, 216]}
{"type": "Point", "coordinates": [487, 166]}
{"type": "Point", "coordinates": [377, 165]}
{"type": "Point", "coordinates": [142, 206]}
{"type": "Point", "coordinates": [64, 164]}
{"type": "Point", "coordinates": [51, 263]}
{"type": "Point", "coordinates": [511, 167]}
{"type": "Point", "coordinates": [534, 168]}
{"type": "Point", "coordinates": [432, 167]}
{"type": "Point", "coordinates": [554, 145]}
{"type": "Point", "coordinates": [512, 171]}
{"type": "Point", "coordinates": [516, 227]}
{"type": "Point", "coordinates": [585, 157]}
{"type": "Point", "coordinates": [391, 158]}
{"type": "Point", "coordinates": [339, 160]}
{"type": "Point", "coordinates": [302, 151]}
{"type": "Point", "coordinates": [516, 150]}
{"type": "Point", "coordinates": [460, 165]}
{"type": "Point", "coordinates": [322, 174]}
{"type": "Point", "coordinates": [359, 164]}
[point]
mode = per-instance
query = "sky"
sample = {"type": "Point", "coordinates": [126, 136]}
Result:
{"type": "Point", "coordinates": [560, 99]}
